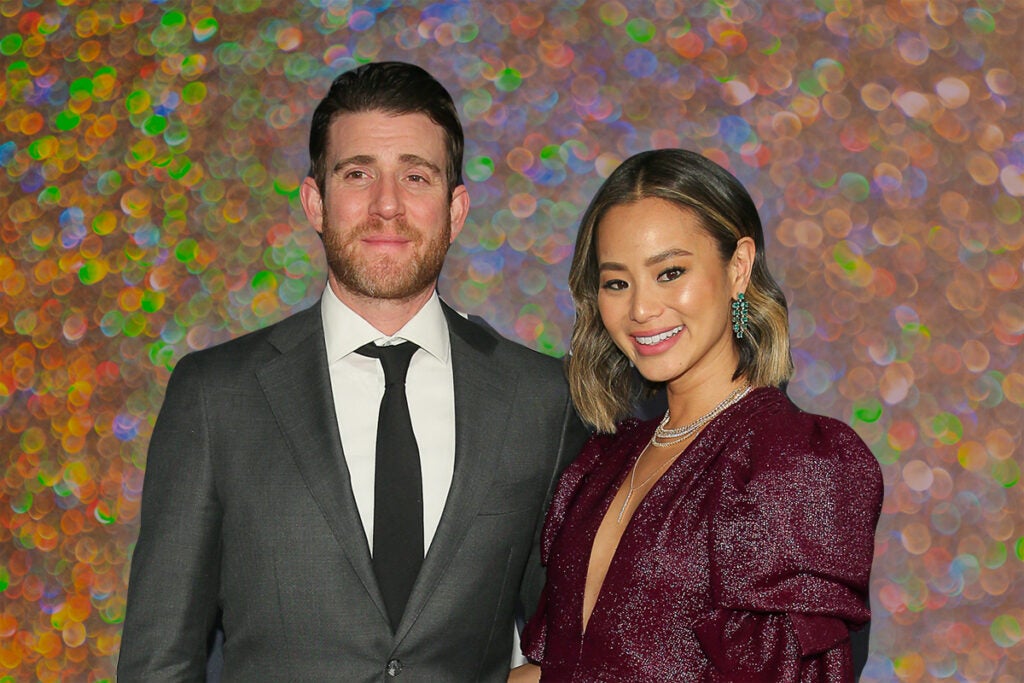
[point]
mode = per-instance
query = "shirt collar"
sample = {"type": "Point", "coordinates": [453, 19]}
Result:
{"type": "Point", "coordinates": [345, 331]}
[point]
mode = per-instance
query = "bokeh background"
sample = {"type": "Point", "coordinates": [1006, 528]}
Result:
{"type": "Point", "coordinates": [152, 153]}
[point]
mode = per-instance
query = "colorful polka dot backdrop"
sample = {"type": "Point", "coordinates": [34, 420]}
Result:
{"type": "Point", "coordinates": [151, 155]}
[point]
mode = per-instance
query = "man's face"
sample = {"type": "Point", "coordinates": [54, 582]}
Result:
{"type": "Point", "coordinates": [385, 215]}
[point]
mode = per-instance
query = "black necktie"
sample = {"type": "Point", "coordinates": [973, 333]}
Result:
{"type": "Point", "coordinates": [398, 485]}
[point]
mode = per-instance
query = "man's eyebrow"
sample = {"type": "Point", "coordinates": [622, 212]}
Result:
{"type": "Point", "coordinates": [417, 160]}
{"type": "Point", "coordinates": [358, 159]}
{"type": "Point", "coordinates": [365, 159]}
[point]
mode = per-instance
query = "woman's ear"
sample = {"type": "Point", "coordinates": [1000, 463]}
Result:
{"type": "Point", "coordinates": [742, 264]}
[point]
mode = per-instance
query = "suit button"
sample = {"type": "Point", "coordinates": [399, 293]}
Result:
{"type": "Point", "coordinates": [393, 668]}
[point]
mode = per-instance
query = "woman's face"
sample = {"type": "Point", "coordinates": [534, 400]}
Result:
{"type": "Point", "coordinates": [665, 292]}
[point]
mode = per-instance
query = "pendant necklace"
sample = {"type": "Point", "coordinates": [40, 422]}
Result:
{"type": "Point", "coordinates": [662, 438]}
{"type": "Point", "coordinates": [636, 487]}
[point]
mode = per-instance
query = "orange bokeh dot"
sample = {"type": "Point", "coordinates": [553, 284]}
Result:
{"type": "Point", "coordinates": [72, 522]}
{"type": "Point", "coordinates": [32, 123]}
{"type": "Point", "coordinates": [130, 299]}
{"type": "Point", "coordinates": [79, 607]}
{"type": "Point", "coordinates": [8, 625]}
{"type": "Point", "coordinates": [46, 537]}
{"type": "Point", "coordinates": [10, 657]}
{"type": "Point", "coordinates": [32, 588]}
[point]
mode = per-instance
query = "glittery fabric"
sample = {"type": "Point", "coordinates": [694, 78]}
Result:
{"type": "Point", "coordinates": [747, 561]}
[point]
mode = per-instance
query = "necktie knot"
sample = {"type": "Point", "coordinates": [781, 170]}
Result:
{"type": "Point", "coordinates": [394, 358]}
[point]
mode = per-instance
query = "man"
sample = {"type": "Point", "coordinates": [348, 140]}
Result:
{"type": "Point", "coordinates": [262, 502]}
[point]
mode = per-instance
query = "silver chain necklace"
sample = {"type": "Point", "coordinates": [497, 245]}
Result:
{"type": "Point", "coordinates": [669, 437]}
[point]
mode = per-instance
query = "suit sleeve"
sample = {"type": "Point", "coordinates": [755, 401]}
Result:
{"type": "Point", "coordinates": [172, 591]}
{"type": "Point", "coordinates": [573, 435]}
{"type": "Point", "coordinates": [792, 545]}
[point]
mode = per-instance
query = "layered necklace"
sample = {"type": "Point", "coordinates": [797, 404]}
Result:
{"type": "Point", "coordinates": [662, 438]}
{"type": "Point", "coordinates": [670, 437]}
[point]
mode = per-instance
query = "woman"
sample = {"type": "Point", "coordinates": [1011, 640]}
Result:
{"type": "Point", "coordinates": [731, 540]}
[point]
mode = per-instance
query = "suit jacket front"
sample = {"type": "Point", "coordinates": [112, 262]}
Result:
{"type": "Point", "coordinates": [248, 513]}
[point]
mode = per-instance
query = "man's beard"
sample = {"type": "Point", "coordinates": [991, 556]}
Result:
{"type": "Point", "coordinates": [384, 277]}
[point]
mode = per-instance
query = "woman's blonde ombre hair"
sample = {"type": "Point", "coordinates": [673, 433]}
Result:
{"type": "Point", "coordinates": [604, 385]}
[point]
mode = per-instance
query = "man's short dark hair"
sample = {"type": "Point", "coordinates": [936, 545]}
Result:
{"type": "Point", "coordinates": [394, 88]}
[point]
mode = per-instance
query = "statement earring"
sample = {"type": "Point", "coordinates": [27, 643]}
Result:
{"type": "Point", "coordinates": [740, 308]}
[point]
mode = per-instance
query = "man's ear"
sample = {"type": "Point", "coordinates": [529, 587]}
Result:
{"type": "Point", "coordinates": [312, 203]}
{"type": "Point", "coordinates": [459, 209]}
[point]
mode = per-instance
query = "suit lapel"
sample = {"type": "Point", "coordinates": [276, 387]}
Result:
{"type": "Point", "coordinates": [298, 388]}
{"type": "Point", "coordinates": [483, 391]}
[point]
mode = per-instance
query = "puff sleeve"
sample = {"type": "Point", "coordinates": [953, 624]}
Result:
{"type": "Point", "coordinates": [792, 541]}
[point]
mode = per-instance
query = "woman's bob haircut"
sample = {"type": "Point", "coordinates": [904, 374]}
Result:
{"type": "Point", "coordinates": [604, 385]}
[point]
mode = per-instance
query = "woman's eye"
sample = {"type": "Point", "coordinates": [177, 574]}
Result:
{"type": "Point", "coordinates": [670, 274]}
{"type": "Point", "coordinates": [614, 285]}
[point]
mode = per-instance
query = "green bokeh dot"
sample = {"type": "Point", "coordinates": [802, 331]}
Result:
{"type": "Point", "coordinates": [67, 120]}
{"type": "Point", "coordinates": [173, 19]}
{"type": "Point", "coordinates": [109, 183]}
{"type": "Point", "coordinates": [640, 30]}
{"type": "Point", "coordinates": [91, 272]}
{"type": "Point", "coordinates": [869, 410]}
{"type": "Point", "coordinates": [205, 29]}
{"type": "Point", "coordinates": [40, 148]}
{"type": "Point", "coordinates": [10, 44]}
{"type": "Point", "coordinates": [154, 125]}
{"type": "Point", "coordinates": [193, 93]}
{"type": "Point", "coordinates": [979, 21]}
{"type": "Point", "coordinates": [228, 54]}
{"type": "Point", "coordinates": [509, 80]}
{"type": "Point", "coordinates": [50, 195]}
{"type": "Point", "coordinates": [134, 324]}
{"type": "Point", "coordinates": [1006, 631]}
{"type": "Point", "coordinates": [948, 428]}
{"type": "Point", "coordinates": [1006, 472]}
{"type": "Point", "coordinates": [81, 86]}
{"type": "Point", "coordinates": [186, 250]}
{"type": "Point", "coordinates": [809, 84]}
{"type": "Point", "coordinates": [854, 187]}
{"type": "Point", "coordinates": [479, 169]}
{"type": "Point", "coordinates": [264, 280]}
{"type": "Point", "coordinates": [137, 101]}
{"type": "Point", "coordinates": [152, 301]}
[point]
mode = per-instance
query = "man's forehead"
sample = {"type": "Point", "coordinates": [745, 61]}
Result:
{"type": "Point", "coordinates": [415, 126]}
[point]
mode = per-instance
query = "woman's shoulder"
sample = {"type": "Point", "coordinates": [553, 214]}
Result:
{"type": "Point", "coordinates": [779, 433]}
{"type": "Point", "coordinates": [602, 451]}
{"type": "Point", "coordinates": [622, 443]}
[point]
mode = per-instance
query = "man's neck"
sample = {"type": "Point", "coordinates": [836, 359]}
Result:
{"type": "Point", "coordinates": [387, 316]}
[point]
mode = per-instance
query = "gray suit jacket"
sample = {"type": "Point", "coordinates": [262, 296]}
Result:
{"type": "Point", "coordinates": [248, 514]}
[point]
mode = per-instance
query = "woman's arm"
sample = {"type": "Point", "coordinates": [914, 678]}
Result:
{"type": "Point", "coordinates": [527, 673]}
{"type": "Point", "coordinates": [791, 546]}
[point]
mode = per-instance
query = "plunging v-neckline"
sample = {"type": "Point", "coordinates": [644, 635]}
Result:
{"type": "Point", "coordinates": [609, 510]}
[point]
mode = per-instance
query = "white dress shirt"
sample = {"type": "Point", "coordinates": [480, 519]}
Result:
{"type": "Point", "coordinates": [357, 383]}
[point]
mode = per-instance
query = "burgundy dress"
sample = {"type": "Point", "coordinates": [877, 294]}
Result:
{"type": "Point", "coordinates": [748, 560]}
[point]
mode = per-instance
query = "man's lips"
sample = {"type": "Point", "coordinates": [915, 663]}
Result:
{"type": "Point", "coordinates": [385, 240]}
